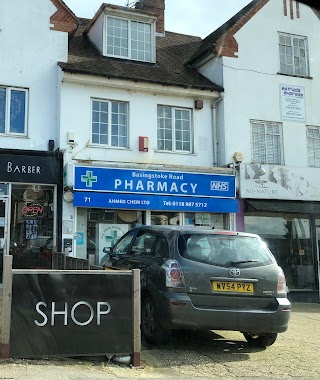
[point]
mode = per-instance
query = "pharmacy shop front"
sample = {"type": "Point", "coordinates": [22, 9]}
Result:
{"type": "Point", "coordinates": [111, 201]}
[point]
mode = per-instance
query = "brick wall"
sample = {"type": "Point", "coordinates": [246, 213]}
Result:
{"type": "Point", "coordinates": [64, 19]}
{"type": "Point", "coordinates": [227, 45]}
{"type": "Point", "coordinates": [157, 7]}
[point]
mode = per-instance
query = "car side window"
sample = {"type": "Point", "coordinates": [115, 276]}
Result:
{"type": "Point", "coordinates": [123, 245]}
{"type": "Point", "coordinates": [144, 244]}
{"type": "Point", "coordinates": [162, 248]}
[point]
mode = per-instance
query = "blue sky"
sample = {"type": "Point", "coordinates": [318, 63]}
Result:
{"type": "Point", "coordinates": [195, 17]}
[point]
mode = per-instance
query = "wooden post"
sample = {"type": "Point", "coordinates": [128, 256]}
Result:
{"type": "Point", "coordinates": [6, 306]}
{"type": "Point", "coordinates": [136, 360]}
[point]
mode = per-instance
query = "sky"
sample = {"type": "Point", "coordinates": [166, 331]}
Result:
{"type": "Point", "coordinates": [194, 17]}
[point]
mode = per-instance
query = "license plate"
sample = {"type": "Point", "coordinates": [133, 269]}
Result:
{"type": "Point", "coordinates": [231, 286]}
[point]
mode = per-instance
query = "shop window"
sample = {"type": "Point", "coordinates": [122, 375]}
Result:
{"type": "Point", "coordinates": [164, 218]}
{"type": "Point", "coordinates": [100, 229]}
{"type": "Point", "coordinates": [32, 226]}
{"type": "Point", "coordinates": [205, 219]}
{"type": "Point", "coordinates": [289, 239]}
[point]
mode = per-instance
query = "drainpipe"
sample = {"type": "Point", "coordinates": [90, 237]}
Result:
{"type": "Point", "coordinates": [215, 132]}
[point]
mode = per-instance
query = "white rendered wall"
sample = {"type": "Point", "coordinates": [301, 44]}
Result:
{"type": "Point", "coordinates": [96, 33]}
{"type": "Point", "coordinates": [29, 55]}
{"type": "Point", "coordinates": [252, 85]}
{"type": "Point", "coordinates": [76, 117]}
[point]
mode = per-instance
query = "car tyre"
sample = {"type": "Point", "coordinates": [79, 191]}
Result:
{"type": "Point", "coordinates": [151, 328]}
{"type": "Point", "coordinates": [264, 340]}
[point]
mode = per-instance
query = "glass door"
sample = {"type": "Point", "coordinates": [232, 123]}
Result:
{"type": "Point", "coordinates": [3, 233]}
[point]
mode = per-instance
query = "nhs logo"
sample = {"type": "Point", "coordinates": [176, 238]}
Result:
{"type": "Point", "coordinates": [217, 185]}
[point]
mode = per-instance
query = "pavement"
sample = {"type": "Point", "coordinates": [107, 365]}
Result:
{"type": "Point", "coordinates": [223, 355]}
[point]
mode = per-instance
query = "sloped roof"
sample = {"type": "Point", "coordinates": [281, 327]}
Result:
{"type": "Point", "coordinates": [224, 35]}
{"type": "Point", "coordinates": [173, 51]}
{"type": "Point", "coordinates": [64, 19]}
{"type": "Point", "coordinates": [208, 44]}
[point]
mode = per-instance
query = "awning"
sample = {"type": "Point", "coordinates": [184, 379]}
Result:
{"type": "Point", "coordinates": [296, 207]}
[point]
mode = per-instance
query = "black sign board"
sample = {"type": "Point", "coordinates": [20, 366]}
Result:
{"type": "Point", "coordinates": [30, 168]}
{"type": "Point", "coordinates": [59, 313]}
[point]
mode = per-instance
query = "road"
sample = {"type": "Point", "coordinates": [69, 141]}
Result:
{"type": "Point", "coordinates": [219, 355]}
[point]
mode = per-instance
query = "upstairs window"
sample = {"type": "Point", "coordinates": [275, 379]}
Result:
{"type": "Point", "coordinates": [266, 140]}
{"type": "Point", "coordinates": [174, 129]}
{"type": "Point", "coordinates": [313, 138]}
{"type": "Point", "coordinates": [109, 123]}
{"type": "Point", "coordinates": [129, 39]}
{"type": "Point", "coordinates": [293, 55]}
{"type": "Point", "coordinates": [13, 111]}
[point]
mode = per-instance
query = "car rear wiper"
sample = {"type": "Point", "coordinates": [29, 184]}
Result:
{"type": "Point", "coordinates": [244, 261]}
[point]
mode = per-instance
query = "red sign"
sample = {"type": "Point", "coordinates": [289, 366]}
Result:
{"type": "Point", "coordinates": [32, 209]}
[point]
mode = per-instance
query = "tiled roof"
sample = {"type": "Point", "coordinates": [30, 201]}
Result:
{"type": "Point", "coordinates": [173, 51]}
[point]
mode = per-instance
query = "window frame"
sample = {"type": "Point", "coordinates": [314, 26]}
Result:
{"type": "Point", "coordinates": [313, 139]}
{"type": "Point", "coordinates": [7, 116]}
{"type": "Point", "coordinates": [306, 50]}
{"type": "Point", "coordinates": [109, 102]}
{"type": "Point", "coordinates": [266, 123]}
{"type": "Point", "coordinates": [174, 109]}
{"type": "Point", "coordinates": [130, 21]}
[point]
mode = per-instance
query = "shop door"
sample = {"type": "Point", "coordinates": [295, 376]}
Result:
{"type": "Point", "coordinates": [3, 233]}
{"type": "Point", "coordinates": [318, 255]}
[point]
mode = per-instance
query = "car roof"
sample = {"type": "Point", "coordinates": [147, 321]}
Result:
{"type": "Point", "coordinates": [195, 230]}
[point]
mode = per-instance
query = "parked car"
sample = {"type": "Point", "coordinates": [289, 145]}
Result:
{"type": "Point", "coordinates": [197, 279]}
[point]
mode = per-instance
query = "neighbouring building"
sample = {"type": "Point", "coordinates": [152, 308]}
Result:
{"type": "Point", "coordinates": [267, 59]}
{"type": "Point", "coordinates": [31, 165]}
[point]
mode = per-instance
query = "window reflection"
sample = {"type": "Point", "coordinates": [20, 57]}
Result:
{"type": "Point", "coordinates": [289, 238]}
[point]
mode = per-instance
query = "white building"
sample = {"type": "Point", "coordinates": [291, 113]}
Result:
{"type": "Point", "coordinates": [267, 59]}
{"type": "Point", "coordinates": [138, 130]}
{"type": "Point", "coordinates": [30, 173]}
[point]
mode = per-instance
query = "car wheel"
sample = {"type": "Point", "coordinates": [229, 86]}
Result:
{"type": "Point", "coordinates": [264, 340]}
{"type": "Point", "coordinates": [151, 328]}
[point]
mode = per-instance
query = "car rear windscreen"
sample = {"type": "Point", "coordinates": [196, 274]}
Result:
{"type": "Point", "coordinates": [225, 250]}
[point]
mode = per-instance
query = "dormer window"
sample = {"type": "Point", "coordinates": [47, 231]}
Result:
{"type": "Point", "coordinates": [129, 39]}
{"type": "Point", "coordinates": [123, 32]}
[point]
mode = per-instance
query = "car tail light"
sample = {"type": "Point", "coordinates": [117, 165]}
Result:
{"type": "Point", "coordinates": [174, 274]}
{"type": "Point", "coordinates": [282, 286]}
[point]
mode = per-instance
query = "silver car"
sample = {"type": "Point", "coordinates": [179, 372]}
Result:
{"type": "Point", "coordinates": [200, 279]}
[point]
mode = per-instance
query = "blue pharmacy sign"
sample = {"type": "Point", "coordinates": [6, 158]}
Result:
{"type": "Point", "coordinates": [154, 190]}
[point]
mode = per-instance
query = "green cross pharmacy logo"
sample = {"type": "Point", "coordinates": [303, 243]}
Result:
{"type": "Point", "coordinates": [89, 178]}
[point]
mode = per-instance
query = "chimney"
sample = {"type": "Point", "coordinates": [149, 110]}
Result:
{"type": "Point", "coordinates": [155, 6]}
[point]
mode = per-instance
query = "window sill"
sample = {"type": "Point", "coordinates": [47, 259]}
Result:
{"type": "Point", "coordinates": [295, 76]}
{"type": "Point", "coordinates": [108, 147]}
{"type": "Point", "coordinates": [171, 152]}
{"type": "Point", "coordinates": [14, 136]}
